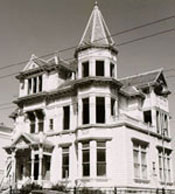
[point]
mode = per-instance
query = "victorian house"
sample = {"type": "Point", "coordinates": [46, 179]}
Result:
{"type": "Point", "coordinates": [78, 123]}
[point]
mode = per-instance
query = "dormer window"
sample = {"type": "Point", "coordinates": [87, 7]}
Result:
{"type": "Point", "coordinates": [100, 68]}
{"type": "Point", "coordinates": [85, 69]}
{"type": "Point", "coordinates": [35, 84]}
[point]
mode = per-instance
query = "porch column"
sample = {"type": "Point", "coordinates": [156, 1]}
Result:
{"type": "Point", "coordinates": [40, 165]}
{"type": "Point", "coordinates": [14, 168]}
{"type": "Point", "coordinates": [32, 164]}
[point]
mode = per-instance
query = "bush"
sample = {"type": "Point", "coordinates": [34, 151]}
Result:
{"type": "Point", "coordinates": [26, 189]}
{"type": "Point", "coordinates": [59, 187]}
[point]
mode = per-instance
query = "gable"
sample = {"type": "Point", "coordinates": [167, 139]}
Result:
{"type": "Point", "coordinates": [22, 142]}
{"type": "Point", "coordinates": [31, 64]}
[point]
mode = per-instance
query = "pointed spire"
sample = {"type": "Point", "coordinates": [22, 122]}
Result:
{"type": "Point", "coordinates": [96, 32]}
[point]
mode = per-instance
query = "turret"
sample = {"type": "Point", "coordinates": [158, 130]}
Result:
{"type": "Point", "coordinates": [96, 53]}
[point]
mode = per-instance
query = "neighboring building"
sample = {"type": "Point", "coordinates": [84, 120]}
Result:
{"type": "Point", "coordinates": [5, 139]}
{"type": "Point", "coordinates": [77, 123]}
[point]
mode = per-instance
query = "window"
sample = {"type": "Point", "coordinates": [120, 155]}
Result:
{"type": "Point", "coordinates": [100, 110]}
{"type": "Point", "coordinates": [40, 83]}
{"type": "Point", "coordinates": [66, 117]}
{"type": "Point", "coordinates": [147, 117]}
{"type": "Point", "coordinates": [99, 68]}
{"type": "Point", "coordinates": [65, 162]}
{"type": "Point", "coordinates": [86, 111]}
{"type": "Point", "coordinates": [158, 121]}
{"type": "Point", "coordinates": [162, 122]}
{"type": "Point", "coordinates": [112, 107]}
{"type": "Point", "coordinates": [51, 124]}
{"type": "Point", "coordinates": [32, 120]}
{"type": "Point", "coordinates": [112, 74]}
{"type": "Point", "coordinates": [85, 69]}
{"type": "Point", "coordinates": [40, 115]}
{"type": "Point", "coordinates": [164, 165]}
{"type": "Point", "coordinates": [101, 158]}
{"type": "Point", "coordinates": [40, 125]}
{"type": "Point", "coordinates": [29, 86]}
{"type": "Point", "coordinates": [140, 161]}
{"type": "Point", "coordinates": [86, 159]}
{"type": "Point", "coordinates": [35, 84]}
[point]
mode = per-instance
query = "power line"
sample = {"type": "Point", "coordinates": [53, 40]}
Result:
{"type": "Point", "coordinates": [113, 35]}
{"type": "Point", "coordinates": [120, 44]}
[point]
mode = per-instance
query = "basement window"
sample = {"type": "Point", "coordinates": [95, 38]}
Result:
{"type": "Point", "coordinates": [85, 69]}
{"type": "Point", "coordinates": [100, 110]}
{"type": "Point", "coordinates": [86, 111]}
{"type": "Point", "coordinates": [66, 117]}
{"type": "Point", "coordinates": [99, 68]}
{"type": "Point", "coordinates": [147, 117]}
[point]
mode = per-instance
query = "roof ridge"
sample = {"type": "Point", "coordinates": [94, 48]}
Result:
{"type": "Point", "coordinates": [141, 74]}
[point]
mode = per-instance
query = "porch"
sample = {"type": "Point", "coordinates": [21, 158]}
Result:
{"type": "Point", "coordinates": [31, 156]}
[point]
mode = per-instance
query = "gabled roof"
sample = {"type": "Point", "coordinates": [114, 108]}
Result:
{"type": "Point", "coordinates": [143, 79]}
{"type": "Point", "coordinates": [32, 139]}
{"type": "Point", "coordinates": [96, 32]}
{"type": "Point", "coordinates": [70, 66]}
{"type": "Point", "coordinates": [35, 62]}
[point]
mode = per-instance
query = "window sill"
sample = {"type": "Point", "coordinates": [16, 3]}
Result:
{"type": "Point", "coordinates": [145, 181]}
{"type": "Point", "coordinates": [102, 178]}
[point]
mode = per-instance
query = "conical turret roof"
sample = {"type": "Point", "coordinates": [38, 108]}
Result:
{"type": "Point", "coordinates": [96, 33]}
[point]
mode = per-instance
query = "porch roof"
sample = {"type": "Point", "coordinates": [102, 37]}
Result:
{"type": "Point", "coordinates": [24, 140]}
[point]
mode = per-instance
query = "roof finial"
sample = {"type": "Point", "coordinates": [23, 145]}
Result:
{"type": "Point", "coordinates": [96, 4]}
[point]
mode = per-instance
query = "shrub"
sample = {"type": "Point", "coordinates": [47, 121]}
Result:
{"type": "Point", "coordinates": [59, 187]}
{"type": "Point", "coordinates": [26, 189]}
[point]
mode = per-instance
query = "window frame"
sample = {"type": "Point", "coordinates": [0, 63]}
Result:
{"type": "Point", "coordinates": [100, 71]}
{"type": "Point", "coordinates": [65, 167]}
{"type": "Point", "coordinates": [140, 148]}
{"type": "Point", "coordinates": [86, 164]}
{"type": "Point", "coordinates": [101, 164]}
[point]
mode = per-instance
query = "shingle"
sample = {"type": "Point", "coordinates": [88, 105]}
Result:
{"type": "Point", "coordinates": [141, 79]}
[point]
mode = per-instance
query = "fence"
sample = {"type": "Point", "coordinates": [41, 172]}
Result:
{"type": "Point", "coordinates": [91, 190]}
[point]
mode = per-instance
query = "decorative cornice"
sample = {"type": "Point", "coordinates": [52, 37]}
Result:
{"type": "Point", "coordinates": [71, 88]}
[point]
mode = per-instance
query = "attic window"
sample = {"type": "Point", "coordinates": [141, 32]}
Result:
{"type": "Point", "coordinates": [147, 117]}
{"type": "Point", "coordinates": [35, 84]}
{"type": "Point", "coordinates": [85, 69]}
{"type": "Point", "coordinates": [99, 68]}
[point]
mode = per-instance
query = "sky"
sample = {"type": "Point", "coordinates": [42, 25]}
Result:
{"type": "Point", "coordinates": [45, 26]}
